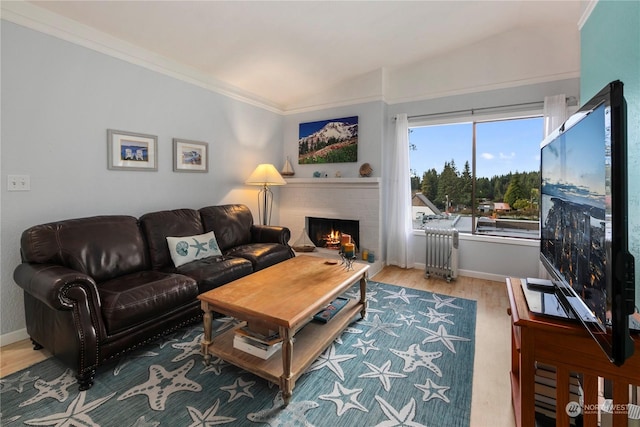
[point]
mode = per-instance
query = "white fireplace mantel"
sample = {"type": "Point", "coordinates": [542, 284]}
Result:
{"type": "Point", "coordinates": [347, 182]}
{"type": "Point", "coordinates": [342, 198]}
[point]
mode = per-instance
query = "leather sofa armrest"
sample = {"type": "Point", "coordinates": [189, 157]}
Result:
{"type": "Point", "coordinates": [52, 283]}
{"type": "Point", "coordinates": [270, 234]}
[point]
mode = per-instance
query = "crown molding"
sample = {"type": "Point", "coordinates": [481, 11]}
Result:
{"type": "Point", "coordinates": [586, 13]}
{"type": "Point", "coordinates": [484, 88]}
{"type": "Point", "coordinates": [44, 21]}
{"type": "Point", "coordinates": [329, 105]}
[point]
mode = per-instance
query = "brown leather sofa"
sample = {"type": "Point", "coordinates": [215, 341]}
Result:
{"type": "Point", "coordinates": [97, 287]}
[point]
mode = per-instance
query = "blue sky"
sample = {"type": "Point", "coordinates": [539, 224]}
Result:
{"type": "Point", "coordinates": [502, 147]}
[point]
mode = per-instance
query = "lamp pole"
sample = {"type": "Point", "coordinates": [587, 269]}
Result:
{"type": "Point", "coordinates": [267, 202]}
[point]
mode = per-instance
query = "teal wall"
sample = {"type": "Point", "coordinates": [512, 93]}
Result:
{"type": "Point", "coordinates": [610, 50]}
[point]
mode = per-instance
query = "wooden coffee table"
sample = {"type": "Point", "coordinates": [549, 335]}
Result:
{"type": "Point", "coordinates": [284, 297]}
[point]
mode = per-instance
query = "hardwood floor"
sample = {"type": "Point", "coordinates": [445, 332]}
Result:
{"type": "Point", "coordinates": [491, 398]}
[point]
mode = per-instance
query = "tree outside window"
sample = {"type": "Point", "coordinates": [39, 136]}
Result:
{"type": "Point", "coordinates": [499, 196]}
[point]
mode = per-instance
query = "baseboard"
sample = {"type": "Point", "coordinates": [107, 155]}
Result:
{"type": "Point", "coordinates": [471, 273]}
{"type": "Point", "coordinates": [15, 336]}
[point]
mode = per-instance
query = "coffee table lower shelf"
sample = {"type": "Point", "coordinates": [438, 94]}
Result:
{"type": "Point", "coordinates": [309, 342]}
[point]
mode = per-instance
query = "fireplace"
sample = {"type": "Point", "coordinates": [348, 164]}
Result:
{"type": "Point", "coordinates": [327, 232]}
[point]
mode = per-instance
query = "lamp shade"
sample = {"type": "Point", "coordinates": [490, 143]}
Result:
{"type": "Point", "coordinates": [265, 174]}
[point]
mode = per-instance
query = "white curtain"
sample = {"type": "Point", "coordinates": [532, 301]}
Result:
{"type": "Point", "coordinates": [399, 226]}
{"type": "Point", "coordinates": [554, 112]}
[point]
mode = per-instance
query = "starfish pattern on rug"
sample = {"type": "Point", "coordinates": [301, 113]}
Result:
{"type": "Point", "coordinates": [443, 336]}
{"type": "Point", "coordinates": [433, 391]}
{"type": "Point", "coordinates": [401, 295]}
{"type": "Point", "coordinates": [177, 336]}
{"type": "Point", "coordinates": [238, 389]}
{"type": "Point", "coordinates": [378, 325]}
{"type": "Point", "coordinates": [76, 413]}
{"type": "Point", "coordinates": [18, 383]}
{"type": "Point", "coordinates": [365, 346]}
{"type": "Point", "coordinates": [208, 417]}
{"type": "Point", "coordinates": [442, 302]}
{"type": "Point", "coordinates": [414, 357]}
{"type": "Point", "coordinates": [388, 339]}
{"type": "Point", "coordinates": [57, 389]}
{"type": "Point", "coordinates": [403, 417]}
{"type": "Point", "coordinates": [215, 365]}
{"type": "Point", "coordinates": [294, 414]}
{"type": "Point", "coordinates": [142, 422]}
{"type": "Point", "coordinates": [436, 316]}
{"type": "Point", "coordinates": [329, 359]}
{"type": "Point", "coordinates": [383, 373]}
{"type": "Point", "coordinates": [398, 308]}
{"type": "Point", "coordinates": [189, 348]}
{"type": "Point", "coordinates": [352, 330]}
{"type": "Point", "coordinates": [226, 323]}
{"type": "Point", "coordinates": [157, 389]}
{"type": "Point", "coordinates": [409, 320]}
{"type": "Point", "coordinates": [371, 295]}
{"type": "Point", "coordinates": [344, 398]}
{"type": "Point", "coordinates": [126, 360]}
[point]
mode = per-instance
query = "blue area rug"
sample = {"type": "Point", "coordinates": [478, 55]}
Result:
{"type": "Point", "coordinates": [409, 363]}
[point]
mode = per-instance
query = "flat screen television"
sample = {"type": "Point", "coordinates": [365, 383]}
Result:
{"type": "Point", "coordinates": [583, 220]}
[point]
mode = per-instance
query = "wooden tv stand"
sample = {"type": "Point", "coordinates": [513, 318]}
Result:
{"type": "Point", "coordinates": [569, 348]}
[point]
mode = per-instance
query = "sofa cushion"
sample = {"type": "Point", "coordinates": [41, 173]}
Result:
{"type": "Point", "coordinates": [190, 248]}
{"type": "Point", "coordinates": [157, 226]}
{"type": "Point", "coordinates": [230, 223]}
{"type": "Point", "coordinates": [138, 297]}
{"type": "Point", "coordinates": [102, 247]}
{"type": "Point", "coordinates": [262, 255]}
{"type": "Point", "coordinates": [213, 272]}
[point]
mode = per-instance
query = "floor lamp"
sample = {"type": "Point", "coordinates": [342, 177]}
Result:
{"type": "Point", "coordinates": [265, 175]}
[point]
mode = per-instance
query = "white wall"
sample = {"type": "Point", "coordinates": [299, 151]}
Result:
{"type": "Point", "coordinates": [59, 99]}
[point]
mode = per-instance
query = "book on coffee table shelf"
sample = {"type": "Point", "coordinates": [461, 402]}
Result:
{"type": "Point", "coordinates": [331, 310]}
{"type": "Point", "coordinates": [263, 351]}
{"type": "Point", "coordinates": [248, 333]}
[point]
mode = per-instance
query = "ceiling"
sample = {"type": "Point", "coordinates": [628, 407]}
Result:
{"type": "Point", "coordinates": [284, 51]}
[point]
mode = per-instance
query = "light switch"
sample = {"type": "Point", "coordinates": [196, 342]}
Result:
{"type": "Point", "coordinates": [18, 183]}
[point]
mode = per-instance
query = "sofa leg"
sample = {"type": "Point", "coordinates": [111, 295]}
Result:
{"type": "Point", "coordinates": [36, 345]}
{"type": "Point", "coordinates": [85, 380]}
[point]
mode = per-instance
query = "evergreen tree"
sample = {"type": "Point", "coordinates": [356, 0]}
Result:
{"type": "Point", "coordinates": [484, 190]}
{"type": "Point", "coordinates": [466, 183]}
{"type": "Point", "coordinates": [448, 186]}
{"type": "Point", "coordinates": [416, 184]}
{"type": "Point", "coordinates": [430, 184]}
{"type": "Point", "coordinates": [515, 191]}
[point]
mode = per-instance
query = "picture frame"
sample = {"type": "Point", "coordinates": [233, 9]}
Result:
{"type": "Point", "coordinates": [190, 156]}
{"type": "Point", "coordinates": [131, 151]}
{"type": "Point", "coordinates": [328, 141]}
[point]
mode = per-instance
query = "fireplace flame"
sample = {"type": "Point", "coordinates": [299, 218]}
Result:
{"type": "Point", "coordinates": [333, 238]}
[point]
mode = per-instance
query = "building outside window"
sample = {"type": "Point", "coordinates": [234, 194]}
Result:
{"type": "Point", "coordinates": [481, 177]}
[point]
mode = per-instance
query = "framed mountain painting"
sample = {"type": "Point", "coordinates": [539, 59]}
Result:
{"type": "Point", "coordinates": [328, 141]}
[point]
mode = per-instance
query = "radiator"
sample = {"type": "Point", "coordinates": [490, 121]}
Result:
{"type": "Point", "coordinates": [442, 253]}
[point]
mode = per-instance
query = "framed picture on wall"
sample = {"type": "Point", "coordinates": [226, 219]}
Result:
{"type": "Point", "coordinates": [190, 156]}
{"type": "Point", "coordinates": [131, 151]}
{"type": "Point", "coordinates": [328, 141]}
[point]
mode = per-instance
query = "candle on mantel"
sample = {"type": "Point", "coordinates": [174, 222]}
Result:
{"type": "Point", "coordinates": [349, 250]}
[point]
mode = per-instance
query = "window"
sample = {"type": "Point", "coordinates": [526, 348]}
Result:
{"type": "Point", "coordinates": [480, 177]}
